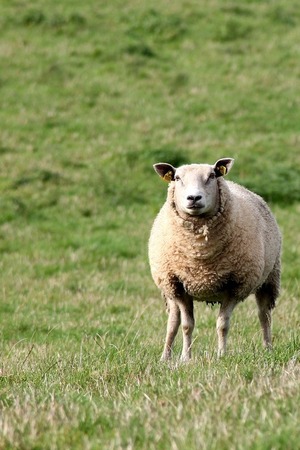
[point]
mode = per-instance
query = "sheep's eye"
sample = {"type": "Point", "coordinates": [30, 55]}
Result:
{"type": "Point", "coordinates": [177, 178]}
{"type": "Point", "coordinates": [211, 177]}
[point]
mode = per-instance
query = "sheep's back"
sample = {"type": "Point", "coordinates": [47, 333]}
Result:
{"type": "Point", "coordinates": [258, 228]}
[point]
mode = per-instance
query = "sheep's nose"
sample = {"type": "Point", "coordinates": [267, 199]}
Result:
{"type": "Point", "coordinates": [194, 198]}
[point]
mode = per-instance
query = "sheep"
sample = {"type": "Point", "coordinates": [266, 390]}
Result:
{"type": "Point", "coordinates": [213, 241]}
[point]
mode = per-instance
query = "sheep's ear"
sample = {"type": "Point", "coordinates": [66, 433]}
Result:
{"type": "Point", "coordinates": [223, 166]}
{"type": "Point", "coordinates": [165, 171]}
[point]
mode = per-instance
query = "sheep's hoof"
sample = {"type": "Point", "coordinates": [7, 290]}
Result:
{"type": "Point", "coordinates": [185, 358]}
{"type": "Point", "coordinates": [221, 353]}
{"type": "Point", "coordinates": [165, 357]}
{"type": "Point", "coordinates": [268, 347]}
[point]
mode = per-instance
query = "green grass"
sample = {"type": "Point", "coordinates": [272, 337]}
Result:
{"type": "Point", "coordinates": [92, 94]}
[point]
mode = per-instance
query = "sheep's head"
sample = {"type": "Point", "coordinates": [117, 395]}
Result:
{"type": "Point", "coordinates": [195, 185]}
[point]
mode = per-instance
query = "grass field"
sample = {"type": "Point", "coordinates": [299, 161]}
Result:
{"type": "Point", "coordinates": [92, 94]}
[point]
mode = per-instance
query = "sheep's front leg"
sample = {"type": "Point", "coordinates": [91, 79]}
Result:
{"type": "Point", "coordinates": [223, 323]}
{"type": "Point", "coordinates": [186, 307]}
{"type": "Point", "coordinates": [172, 328]}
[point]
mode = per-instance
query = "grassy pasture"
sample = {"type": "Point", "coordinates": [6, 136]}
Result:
{"type": "Point", "coordinates": [92, 94]}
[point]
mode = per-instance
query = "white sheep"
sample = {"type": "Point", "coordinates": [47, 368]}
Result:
{"type": "Point", "coordinates": [213, 241]}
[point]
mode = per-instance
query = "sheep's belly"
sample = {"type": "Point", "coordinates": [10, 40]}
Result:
{"type": "Point", "coordinates": [216, 289]}
{"type": "Point", "coordinates": [214, 295]}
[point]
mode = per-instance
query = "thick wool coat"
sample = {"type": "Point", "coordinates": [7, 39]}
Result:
{"type": "Point", "coordinates": [229, 255]}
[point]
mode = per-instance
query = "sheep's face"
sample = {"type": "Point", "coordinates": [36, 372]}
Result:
{"type": "Point", "coordinates": [196, 190]}
{"type": "Point", "coordinates": [195, 186]}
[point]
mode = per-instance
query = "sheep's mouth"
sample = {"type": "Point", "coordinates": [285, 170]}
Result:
{"type": "Point", "coordinates": [195, 205]}
{"type": "Point", "coordinates": [194, 209]}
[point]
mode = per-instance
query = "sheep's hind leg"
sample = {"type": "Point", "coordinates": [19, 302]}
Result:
{"type": "Point", "coordinates": [172, 328]}
{"type": "Point", "coordinates": [265, 302]}
{"type": "Point", "coordinates": [265, 298]}
{"type": "Point", "coordinates": [187, 321]}
{"type": "Point", "coordinates": [223, 323]}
